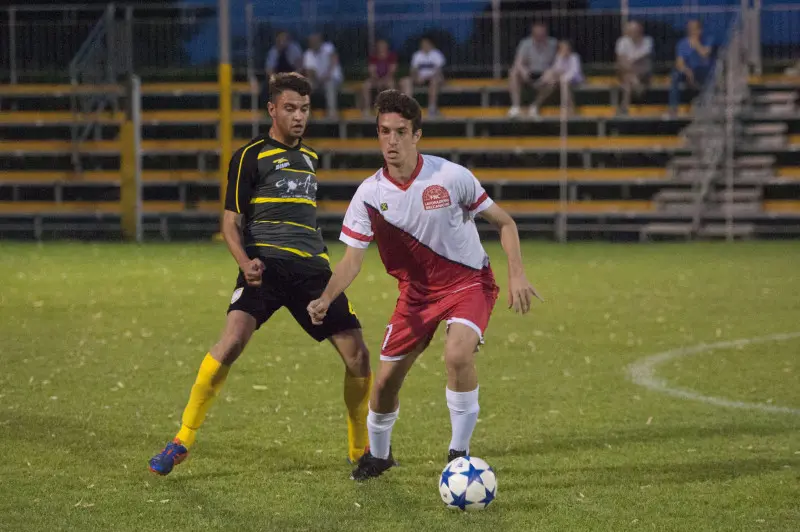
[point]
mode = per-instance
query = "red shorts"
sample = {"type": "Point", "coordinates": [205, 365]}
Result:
{"type": "Point", "coordinates": [414, 323]}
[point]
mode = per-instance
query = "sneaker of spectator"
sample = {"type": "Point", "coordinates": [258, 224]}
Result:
{"type": "Point", "coordinates": [321, 67]}
{"type": "Point", "coordinates": [427, 66]}
{"type": "Point", "coordinates": [382, 71]}
{"type": "Point", "coordinates": [535, 54]}
{"type": "Point", "coordinates": [694, 62]}
{"type": "Point", "coordinates": [284, 56]}
{"type": "Point", "coordinates": [634, 63]}
{"type": "Point", "coordinates": [567, 71]}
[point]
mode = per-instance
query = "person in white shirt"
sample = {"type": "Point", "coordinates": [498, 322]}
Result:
{"type": "Point", "coordinates": [321, 67]}
{"type": "Point", "coordinates": [566, 70]}
{"type": "Point", "coordinates": [534, 56]}
{"type": "Point", "coordinates": [426, 69]}
{"type": "Point", "coordinates": [634, 63]}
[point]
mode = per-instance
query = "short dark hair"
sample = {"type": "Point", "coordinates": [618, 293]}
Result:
{"type": "Point", "coordinates": [394, 101]}
{"type": "Point", "coordinates": [288, 81]}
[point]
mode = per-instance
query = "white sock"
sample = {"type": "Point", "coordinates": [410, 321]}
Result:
{"type": "Point", "coordinates": [379, 427]}
{"type": "Point", "coordinates": [464, 410]}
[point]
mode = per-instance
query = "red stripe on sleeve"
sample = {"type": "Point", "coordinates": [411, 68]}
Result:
{"type": "Point", "coordinates": [358, 236]}
{"type": "Point", "coordinates": [477, 204]}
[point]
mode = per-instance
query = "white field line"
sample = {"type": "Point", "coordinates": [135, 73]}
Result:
{"type": "Point", "coordinates": [642, 372]}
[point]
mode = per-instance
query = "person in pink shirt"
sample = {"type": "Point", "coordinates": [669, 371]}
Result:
{"type": "Point", "coordinates": [382, 71]}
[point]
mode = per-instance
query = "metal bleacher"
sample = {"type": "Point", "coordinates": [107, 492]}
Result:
{"type": "Point", "coordinates": [617, 167]}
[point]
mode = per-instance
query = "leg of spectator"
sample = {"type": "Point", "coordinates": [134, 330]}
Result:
{"type": "Point", "coordinates": [406, 86]}
{"type": "Point", "coordinates": [433, 95]}
{"type": "Point", "coordinates": [675, 91]}
{"type": "Point", "coordinates": [515, 88]}
{"type": "Point", "coordinates": [366, 96]}
{"type": "Point", "coordinates": [332, 98]}
{"type": "Point", "coordinates": [546, 88]}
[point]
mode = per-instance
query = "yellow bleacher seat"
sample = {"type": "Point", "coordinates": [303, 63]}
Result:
{"type": "Point", "coordinates": [77, 207]}
{"type": "Point", "coordinates": [782, 207]}
{"type": "Point", "coordinates": [792, 172]}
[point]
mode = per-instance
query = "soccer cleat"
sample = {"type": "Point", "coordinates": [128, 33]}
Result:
{"type": "Point", "coordinates": [173, 454]}
{"type": "Point", "coordinates": [455, 454]}
{"type": "Point", "coordinates": [371, 467]}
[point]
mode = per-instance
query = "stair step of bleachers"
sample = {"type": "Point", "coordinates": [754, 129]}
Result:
{"type": "Point", "coordinates": [778, 207]}
{"type": "Point", "coordinates": [736, 195]}
{"type": "Point", "coordinates": [675, 229]}
{"type": "Point", "coordinates": [737, 230]}
{"type": "Point", "coordinates": [675, 196]}
{"type": "Point", "coordinates": [776, 97]}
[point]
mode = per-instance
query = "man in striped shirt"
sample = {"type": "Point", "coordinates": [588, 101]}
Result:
{"type": "Point", "coordinates": [269, 226]}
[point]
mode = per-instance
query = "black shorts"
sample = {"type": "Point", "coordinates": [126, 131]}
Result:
{"type": "Point", "coordinates": [292, 284]}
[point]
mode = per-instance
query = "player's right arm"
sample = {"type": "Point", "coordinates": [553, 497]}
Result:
{"type": "Point", "coordinates": [357, 234]}
{"type": "Point", "coordinates": [242, 176]}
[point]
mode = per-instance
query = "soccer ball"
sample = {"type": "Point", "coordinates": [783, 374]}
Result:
{"type": "Point", "coordinates": [468, 483]}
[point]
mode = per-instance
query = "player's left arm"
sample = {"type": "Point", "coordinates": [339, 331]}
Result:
{"type": "Point", "coordinates": [520, 290]}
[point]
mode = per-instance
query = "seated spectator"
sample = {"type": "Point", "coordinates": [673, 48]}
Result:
{"type": "Point", "coordinates": [284, 56]}
{"type": "Point", "coordinates": [321, 67]}
{"type": "Point", "coordinates": [534, 56]}
{"type": "Point", "coordinates": [566, 70]}
{"type": "Point", "coordinates": [426, 69]}
{"type": "Point", "coordinates": [694, 62]}
{"type": "Point", "coordinates": [634, 63]}
{"type": "Point", "coordinates": [382, 70]}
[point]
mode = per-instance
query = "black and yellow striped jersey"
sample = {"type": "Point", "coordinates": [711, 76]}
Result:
{"type": "Point", "coordinates": [275, 187]}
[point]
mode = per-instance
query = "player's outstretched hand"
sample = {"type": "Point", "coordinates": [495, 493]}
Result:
{"type": "Point", "coordinates": [317, 309]}
{"type": "Point", "coordinates": [521, 293]}
{"type": "Point", "coordinates": [252, 272]}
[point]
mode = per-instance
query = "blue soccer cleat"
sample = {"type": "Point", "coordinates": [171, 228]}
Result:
{"type": "Point", "coordinates": [173, 454]}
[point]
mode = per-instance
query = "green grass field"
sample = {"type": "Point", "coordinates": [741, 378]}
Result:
{"type": "Point", "coordinates": [101, 343]}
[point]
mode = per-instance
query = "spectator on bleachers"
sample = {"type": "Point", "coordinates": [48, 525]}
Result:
{"type": "Point", "coordinates": [534, 56]}
{"type": "Point", "coordinates": [566, 69]}
{"type": "Point", "coordinates": [426, 69]}
{"type": "Point", "coordinates": [321, 67]}
{"type": "Point", "coordinates": [694, 61]}
{"type": "Point", "coordinates": [284, 56]}
{"type": "Point", "coordinates": [382, 70]}
{"type": "Point", "coordinates": [634, 63]}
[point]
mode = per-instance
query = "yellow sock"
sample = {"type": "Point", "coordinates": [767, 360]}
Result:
{"type": "Point", "coordinates": [210, 379]}
{"type": "Point", "coordinates": [356, 397]}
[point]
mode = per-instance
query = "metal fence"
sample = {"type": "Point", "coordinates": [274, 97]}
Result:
{"type": "Point", "coordinates": [478, 37]}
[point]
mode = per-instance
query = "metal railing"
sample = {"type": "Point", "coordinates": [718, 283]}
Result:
{"type": "Point", "coordinates": [478, 37]}
{"type": "Point", "coordinates": [712, 131]}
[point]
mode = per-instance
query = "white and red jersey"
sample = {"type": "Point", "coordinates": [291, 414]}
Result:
{"type": "Point", "coordinates": [425, 228]}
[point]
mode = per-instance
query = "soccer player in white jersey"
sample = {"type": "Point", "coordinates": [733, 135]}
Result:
{"type": "Point", "coordinates": [420, 209]}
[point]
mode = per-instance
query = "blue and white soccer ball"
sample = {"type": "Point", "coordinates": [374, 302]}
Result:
{"type": "Point", "coordinates": [468, 483]}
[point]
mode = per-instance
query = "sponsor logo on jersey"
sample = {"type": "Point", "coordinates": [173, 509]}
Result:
{"type": "Point", "coordinates": [282, 165]}
{"type": "Point", "coordinates": [435, 197]}
{"type": "Point", "coordinates": [236, 295]}
{"type": "Point", "coordinates": [384, 207]}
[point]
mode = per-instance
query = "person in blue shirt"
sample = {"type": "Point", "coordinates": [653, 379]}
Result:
{"type": "Point", "coordinates": [694, 62]}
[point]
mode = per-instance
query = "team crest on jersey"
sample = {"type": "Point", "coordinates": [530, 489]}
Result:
{"type": "Point", "coordinates": [308, 161]}
{"type": "Point", "coordinates": [384, 207]}
{"type": "Point", "coordinates": [435, 197]}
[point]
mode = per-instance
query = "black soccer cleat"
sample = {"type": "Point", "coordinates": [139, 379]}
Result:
{"type": "Point", "coordinates": [455, 454]}
{"type": "Point", "coordinates": [371, 467]}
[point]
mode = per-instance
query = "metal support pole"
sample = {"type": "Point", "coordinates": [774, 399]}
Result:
{"type": "Point", "coordinates": [129, 39]}
{"type": "Point", "coordinates": [371, 24]}
{"type": "Point", "coordinates": [12, 44]}
{"type": "Point", "coordinates": [625, 12]}
{"type": "Point", "coordinates": [249, 32]}
{"type": "Point", "coordinates": [563, 170]}
{"type": "Point", "coordinates": [110, 44]}
{"type": "Point", "coordinates": [730, 110]}
{"type": "Point", "coordinates": [497, 67]}
{"type": "Point", "coordinates": [755, 38]}
{"type": "Point", "coordinates": [225, 75]}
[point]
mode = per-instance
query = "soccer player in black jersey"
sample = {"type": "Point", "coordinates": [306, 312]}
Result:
{"type": "Point", "coordinates": [269, 226]}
